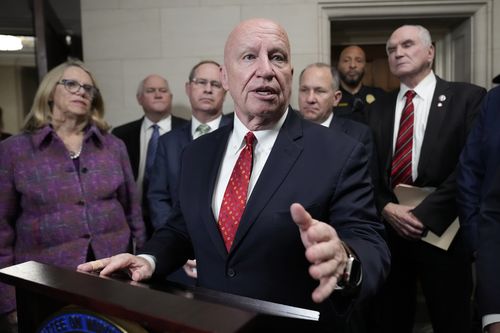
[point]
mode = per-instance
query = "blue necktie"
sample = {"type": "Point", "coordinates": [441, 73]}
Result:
{"type": "Point", "coordinates": [151, 153]}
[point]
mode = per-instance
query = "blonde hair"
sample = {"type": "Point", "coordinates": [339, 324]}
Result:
{"type": "Point", "coordinates": [40, 114]}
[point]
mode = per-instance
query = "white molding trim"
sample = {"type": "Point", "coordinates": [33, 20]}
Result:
{"type": "Point", "coordinates": [479, 11]}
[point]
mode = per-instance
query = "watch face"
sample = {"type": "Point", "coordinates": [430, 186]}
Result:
{"type": "Point", "coordinates": [355, 277]}
{"type": "Point", "coordinates": [352, 274]}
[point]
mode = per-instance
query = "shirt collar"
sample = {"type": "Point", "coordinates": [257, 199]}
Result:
{"type": "Point", "coordinates": [163, 124]}
{"type": "Point", "coordinates": [214, 124]}
{"type": "Point", "coordinates": [422, 88]}
{"type": "Point", "coordinates": [265, 138]}
{"type": "Point", "coordinates": [328, 120]}
{"type": "Point", "coordinates": [46, 133]}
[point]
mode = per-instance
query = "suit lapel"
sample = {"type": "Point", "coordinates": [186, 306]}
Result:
{"type": "Point", "coordinates": [225, 120]}
{"type": "Point", "coordinates": [218, 143]}
{"type": "Point", "coordinates": [215, 153]}
{"type": "Point", "coordinates": [176, 122]}
{"type": "Point", "coordinates": [338, 122]}
{"type": "Point", "coordinates": [283, 156]}
{"type": "Point", "coordinates": [437, 115]}
{"type": "Point", "coordinates": [187, 136]}
{"type": "Point", "coordinates": [385, 122]}
{"type": "Point", "coordinates": [134, 144]}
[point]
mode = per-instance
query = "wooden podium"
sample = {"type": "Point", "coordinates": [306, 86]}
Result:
{"type": "Point", "coordinates": [42, 290]}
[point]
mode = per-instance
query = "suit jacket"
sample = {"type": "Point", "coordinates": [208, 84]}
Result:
{"type": "Point", "coordinates": [363, 134]}
{"type": "Point", "coordinates": [448, 124]}
{"type": "Point", "coordinates": [52, 212]}
{"type": "Point", "coordinates": [356, 130]}
{"type": "Point", "coordinates": [323, 169]}
{"type": "Point", "coordinates": [130, 133]}
{"type": "Point", "coordinates": [163, 190]}
{"type": "Point", "coordinates": [478, 182]}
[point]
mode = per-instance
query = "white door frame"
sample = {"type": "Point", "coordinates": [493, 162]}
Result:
{"type": "Point", "coordinates": [479, 11]}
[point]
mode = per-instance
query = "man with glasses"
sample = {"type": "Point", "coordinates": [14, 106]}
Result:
{"type": "Point", "coordinates": [206, 96]}
{"type": "Point", "coordinates": [155, 97]}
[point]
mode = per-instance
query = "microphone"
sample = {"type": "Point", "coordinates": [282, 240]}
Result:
{"type": "Point", "coordinates": [357, 104]}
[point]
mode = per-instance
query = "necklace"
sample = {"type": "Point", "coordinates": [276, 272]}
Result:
{"type": "Point", "coordinates": [75, 154]}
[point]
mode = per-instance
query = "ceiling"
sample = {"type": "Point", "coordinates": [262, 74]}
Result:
{"type": "Point", "coordinates": [16, 16]}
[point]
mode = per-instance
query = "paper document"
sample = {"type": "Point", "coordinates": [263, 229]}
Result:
{"type": "Point", "coordinates": [412, 196]}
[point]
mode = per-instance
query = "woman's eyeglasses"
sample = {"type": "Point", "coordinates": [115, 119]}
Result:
{"type": "Point", "coordinates": [74, 86]}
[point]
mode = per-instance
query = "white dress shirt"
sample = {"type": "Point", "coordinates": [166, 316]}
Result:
{"type": "Point", "coordinates": [236, 143]}
{"type": "Point", "coordinates": [165, 125]}
{"type": "Point", "coordinates": [262, 149]}
{"type": "Point", "coordinates": [328, 120]}
{"type": "Point", "coordinates": [422, 105]}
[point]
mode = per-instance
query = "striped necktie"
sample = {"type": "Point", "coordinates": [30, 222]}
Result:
{"type": "Point", "coordinates": [201, 130]}
{"type": "Point", "coordinates": [401, 171]}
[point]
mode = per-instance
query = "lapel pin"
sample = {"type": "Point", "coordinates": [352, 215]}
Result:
{"type": "Point", "coordinates": [442, 98]}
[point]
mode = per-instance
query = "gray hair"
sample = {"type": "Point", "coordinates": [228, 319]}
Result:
{"type": "Point", "coordinates": [423, 33]}
{"type": "Point", "coordinates": [140, 87]}
{"type": "Point", "coordinates": [195, 67]}
{"type": "Point", "coordinates": [333, 71]}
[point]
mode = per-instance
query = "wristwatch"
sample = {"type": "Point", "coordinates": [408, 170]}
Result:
{"type": "Point", "coordinates": [353, 273]}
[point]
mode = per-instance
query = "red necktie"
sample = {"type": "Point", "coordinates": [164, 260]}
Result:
{"type": "Point", "coordinates": [235, 196]}
{"type": "Point", "coordinates": [401, 161]}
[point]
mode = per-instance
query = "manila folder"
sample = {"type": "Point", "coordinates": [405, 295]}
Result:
{"type": "Point", "coordinates": [412, 196]}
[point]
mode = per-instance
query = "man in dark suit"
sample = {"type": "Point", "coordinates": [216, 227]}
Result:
{"type": "Point", "coordinates": [478, 200]}
{"type": "Point", "coordinates": [294, 161]}
{"type": "Point", "coordinates": [422, 150]}
{"type": "Point", "coordinates": [155, 97]}
{"type": "Point", "coordinates": [319, 95]}
{"type": "Point", "coordinates": [206, 96]}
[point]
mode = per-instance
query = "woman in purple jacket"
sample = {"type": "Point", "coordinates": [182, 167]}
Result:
{"type": "Point", "coordinates": [67, 193]}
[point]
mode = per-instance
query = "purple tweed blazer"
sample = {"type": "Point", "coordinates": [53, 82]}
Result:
{"type": "Point", "coordinates": [51, 212]}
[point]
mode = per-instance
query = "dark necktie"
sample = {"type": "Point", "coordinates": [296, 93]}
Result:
{"type": "Point", "coordinates": [402, 158]}
{"type": "Point", "coordinates": [151, 152]}
{"type": "Point", "coordinates": [235, 196]}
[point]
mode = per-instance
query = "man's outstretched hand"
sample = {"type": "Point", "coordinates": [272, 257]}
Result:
{"type": "Point", "coordinates": [324, 250]}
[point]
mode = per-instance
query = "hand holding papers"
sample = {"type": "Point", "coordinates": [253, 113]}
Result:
{"type": "Point", "coordinates": [412, 196]}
